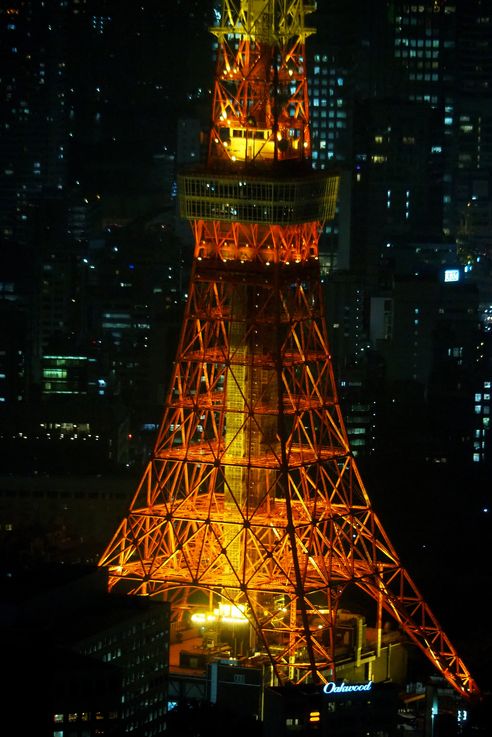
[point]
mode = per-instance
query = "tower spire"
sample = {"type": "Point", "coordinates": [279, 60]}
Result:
{"type": "Point", "coordinates": [252, 507]}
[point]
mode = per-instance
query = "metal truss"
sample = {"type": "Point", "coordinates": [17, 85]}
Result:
{"type": "Point", "coordinates": [260, 90]}
{"type": "Point", "coordinates": [252, 496]}
{"type": "Point", "coordinates": [252, 493]}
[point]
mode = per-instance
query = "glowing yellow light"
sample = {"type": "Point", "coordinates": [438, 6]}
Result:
{"type": "Point", "coordinates": [198, 618]}
{"type": "Point", "coordinates": [227, 613]}
{"type": "Point", "coordinates": [231, 613]}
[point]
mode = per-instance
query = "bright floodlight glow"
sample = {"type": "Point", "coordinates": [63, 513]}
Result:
{"type": "Point", "coordinates": [227, 613]}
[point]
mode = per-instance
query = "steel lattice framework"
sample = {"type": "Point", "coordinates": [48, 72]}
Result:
{"type": "Point", "coordinates": [252, 495]}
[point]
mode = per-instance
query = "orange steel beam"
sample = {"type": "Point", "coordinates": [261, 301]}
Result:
{"type": "Point", "coordinates": [252, 495]}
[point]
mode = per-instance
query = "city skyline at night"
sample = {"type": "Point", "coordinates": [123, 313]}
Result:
{"type": "Point", "coordinates": [103, 110]}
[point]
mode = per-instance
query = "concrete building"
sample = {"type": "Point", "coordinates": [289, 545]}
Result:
{"type": "Point", "coordinates": [84, 660]}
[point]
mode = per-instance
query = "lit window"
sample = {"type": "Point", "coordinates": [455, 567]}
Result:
{"type": "Point", "coordinates": [292, 721]}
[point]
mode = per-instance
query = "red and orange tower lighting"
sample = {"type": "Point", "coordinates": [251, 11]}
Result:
{"type": "Point", "coordinates": [252, 509]}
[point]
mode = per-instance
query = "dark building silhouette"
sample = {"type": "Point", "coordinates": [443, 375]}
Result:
{"type": "Point", "coordinates": [400, 102]}
{"type": "Point", "coordinates": [84, 661]}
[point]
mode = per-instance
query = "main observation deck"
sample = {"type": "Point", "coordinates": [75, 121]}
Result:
{"type": "Point", "coordinates": [257, 198]}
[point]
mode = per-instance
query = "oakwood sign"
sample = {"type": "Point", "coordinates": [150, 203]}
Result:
{"type": "Point", "coordinates": [332, 687]}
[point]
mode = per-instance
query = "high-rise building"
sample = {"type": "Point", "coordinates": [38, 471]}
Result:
{"type": "Point", "coordinates": [401, 104]}
{"type": "Point", "coordinates": [33, 141]}
{"type": "Point", "coordinates": [473, 130]}
{"type": "Point", "coordinates": [87, 661]}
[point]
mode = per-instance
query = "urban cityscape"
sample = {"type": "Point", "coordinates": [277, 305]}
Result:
{"type": "Point", "coordinates": [104, 108]}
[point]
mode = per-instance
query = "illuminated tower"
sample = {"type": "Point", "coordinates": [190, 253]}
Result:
{"type": "Point", "coordinates": [251, 507]}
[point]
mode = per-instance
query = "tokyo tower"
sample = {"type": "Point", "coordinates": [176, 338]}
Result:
{"type": "Point", "coordinates": [252, 507]}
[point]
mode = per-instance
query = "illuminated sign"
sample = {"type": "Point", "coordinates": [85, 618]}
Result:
{"type": "Point", "coordinates": [332, 687]}
{"type": "Point", "coordinates": [451, 275]}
